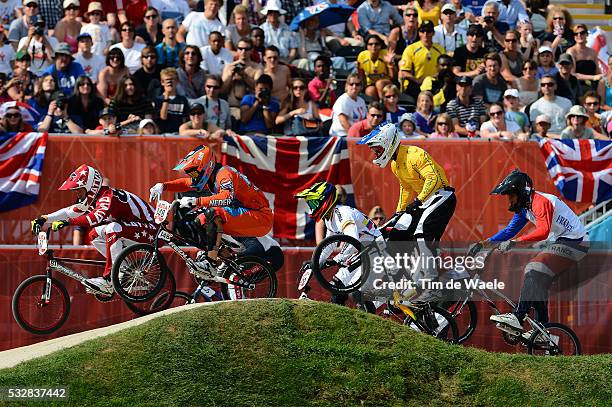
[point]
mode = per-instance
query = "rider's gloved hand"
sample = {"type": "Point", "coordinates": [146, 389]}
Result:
{"type": "Point", "coordinates": [474, 249]}
{"type": "Point", "coordinates": [187, 202]}
{"type": "Point", "coordinates": [156, 191]}
{"type": "Point", "coordinates": [38, 223]}
{"type": "Point", "coordinates": [506, 246]}
{"type": "Point", "coordinates": [59, 224]}
{"type": "Point", "coordinates": [413, 205]}
{"type": "Point", "coordinates": [329, 263]}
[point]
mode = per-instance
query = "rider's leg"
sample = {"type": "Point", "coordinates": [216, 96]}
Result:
{"type": "Point", "coordinates": [213, 227]}
{"type": "Point", "coordinates": [97, 236]}
{"type": "Point", "coordinates": [534, 294]}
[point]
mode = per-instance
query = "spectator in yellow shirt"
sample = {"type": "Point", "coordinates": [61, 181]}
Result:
{"type": "Point", "coordinates": [420, 59]}
{"type": "Point", "coordinates": [375, 67]}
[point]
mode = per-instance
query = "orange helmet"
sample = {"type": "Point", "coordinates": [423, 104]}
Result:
{"type": "Point", "coordinates": [199, 165]}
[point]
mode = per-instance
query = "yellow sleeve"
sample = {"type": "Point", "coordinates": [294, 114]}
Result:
{"type": "Point", "coordinates": [406, 61]}
{"type": "Point", "coordinates": [427, 83]}
{"type": "Point", "coordinates": [362, 57]}
{"type": "Point", "coordinates": [406, 196]}
{"type": "Point", "coordinates": [427, 168]}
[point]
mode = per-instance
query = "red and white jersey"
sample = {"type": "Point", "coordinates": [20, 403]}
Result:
{"type": "Point", "coordinates": [110, 205]}
{"type": "Point", "coordinates": [553, 220]}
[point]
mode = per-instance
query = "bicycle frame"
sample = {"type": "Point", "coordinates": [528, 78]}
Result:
{"type": "Point", "coordinates": [56, 263]}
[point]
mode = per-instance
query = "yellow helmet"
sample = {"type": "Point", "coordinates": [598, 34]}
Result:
{"type": "Point", "coordinates": [320, 197]}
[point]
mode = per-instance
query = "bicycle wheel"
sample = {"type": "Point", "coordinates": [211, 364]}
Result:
{"type": "Point", "coordinates": [348, 275]}
{"type": "Point", "coordinates": [34, 314]}
{"type": "Point", "coordinates": [465, 316]}
{"type": "Point", "coordinates": [436, 322]}
{"type": "Point", "coordinates": [139, 273]}
{"type": "Point", "coordinates": [160, 302]}
{"type": "Point", "coordinates": [252, 270]}
{"type": "Point", "coordinates": [559, 340]}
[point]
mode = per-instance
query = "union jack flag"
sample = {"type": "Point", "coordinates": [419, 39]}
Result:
{"type": "Point", "coordinates": [581, 169]}
{"type": "Point", "coordinates": [284, 166]}
{"type": "Point", "coordinates": [21, 161]}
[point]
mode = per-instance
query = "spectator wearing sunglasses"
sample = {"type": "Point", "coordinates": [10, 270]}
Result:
{"type": "Point", "coordinates": [100, 33]}
{"type": "Point", "coordinates": [13, 121]}
{"type": "Point", "coordinates": [377, 215]}
{"type": "Point", "coordinates": [568, 85]}
{"type": "Point", "coordinates": [151, 32]}
{"type": "Point", "coordinates": [420, 59]}
{"type": "Point", "coordinates": [448, 34]}
{"type": "Point", "coordinates": [374, 117]}
{"type": "Point", "coordinates": [591, 102]}
{"type": "Point", "coordinates": [406, 34]}
{"type": "Point", "coordinates": [68, 28]}
{"type": "Point", "coordinates": [216, 110]}
{"type": "Point", "coordinates": [586, 68]}
{"type": "Point", "coordinates": [131, 49]}
{"type": "Point", "coordinates": [497, 127]}
{"type": "Point", "coordinates": [20, 27]}
{"type": "Point", "coordinates": [109, 77]}
{"type": "Point", "coordinates": [555, 107]}
{"type": "Point", "coordinates": [148, 75]}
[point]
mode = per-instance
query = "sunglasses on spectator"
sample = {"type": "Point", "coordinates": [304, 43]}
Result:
{"type": "Point", "coordinates": [151, 16]}
{"type": "Point", "coordinates": [212, 86]}
{"type": "Point", "coordinates": [580, 33]}
{"type": "Point", "coordinates": [380, 218]}
{"type": "Point", "coordinates": [496, 113]}
{"type": "Point", "coordinates": [195, 113]}
{"type": "Point", "coordinates": [127, 29]}
{"type": "Point", "coordinates": [510, 40]}
{"type": "Point", "coordinates": [12, 115]}
{"type": "Point", "coordinates": [71, 8]}
{"type": "Point", "coordinates": [473, 34]}
{"type": "Point", "coordinates": [189, 53]}
{"type": "Point", "coordinates": [449, 13]}
{"type": "Point", "coordinates": [442, 124]}
{"type": "Point", "coordinates": [150, 56]}
{"type": "Point", "coordinates": [299, 87]}
{"type": "Point", "coordinates": [558, 18]}
{"type": "Point", "coordinates": [114, 57]}
{"type": "Point", "coordinates": [546, 84]}
{"type": "Point", "coordinates": [426, 31]}
{"type": "Point", "coordinates": [374, 44]}
{"type": "Point", "coordinates": [390, 96]}
{"type": "Point", "coordinates": [244, 48]}
{"type": "Point", "coordinates": [84, 84]}
{"type": "Point", "coordinates": [354, 84]}
{"type": "Point", "coordinates": [592, 103]}
{"type": "Point", "coordinates": [414, 15]}
{"type": "Point", "coordinates": [95, 13]}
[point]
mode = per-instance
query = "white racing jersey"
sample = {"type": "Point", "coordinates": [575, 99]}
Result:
{"type": "Point", "coordinates": [349, 221]}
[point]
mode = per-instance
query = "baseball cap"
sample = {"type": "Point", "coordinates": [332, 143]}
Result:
{"type": "Point", "coordinates": [196, 108]}
{"type": "Point", "coordinates": [511, 92]}
{"type": "Point", "coordinates": [448, 6]}
{"type": "Point", "coordinates": [566, 58]}
{"type": "Point", "coordinates": [26, 2]}
{"type": "Point", "coordinates": [475, 29]}
{"type": "Point", "coordinates": [107, 111]}
{"type": "Point", "coordinates": [426, 26]}
{"type": "Point", "coordinates": [543, 118]}
{"type": "Point", "coordinates": [94, 6]}
{"type": "Point", "coordinates": [144, 122]}
{"type": "Point", "coordinates": [68, 3]}
{"type": "Point", "coordinates": [463, 80]}
{"type": "Point", "coordinates": [545, 48]}
{"type": "Point", "coordinates": [82, 36]}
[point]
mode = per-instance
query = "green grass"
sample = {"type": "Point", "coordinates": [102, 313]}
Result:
{"type": "Point", "coordinates": [291, 353]}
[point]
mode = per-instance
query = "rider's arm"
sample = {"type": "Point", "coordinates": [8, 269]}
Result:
{"type": "Point", "coordinates": [427, 169]}
{"type": "Point", "coordinates": [350, 229]}
{"type": "Point", "coordinates": [97, 216]}
{"type": "Point", "coordinates": [225, 196]}
{"type": "Point", "coordinates": [543, 212]}
{"type": "Point", "coordinates": [66, 213]}
{"type": "Point", "coordinates": [178, 185]}
{"type": "Point", "coordinates": [518, 222]}
{"type": "Point", "coordinates": [405, 197]}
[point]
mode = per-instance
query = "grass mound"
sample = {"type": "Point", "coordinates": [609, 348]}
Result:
{"type": "Point", "coordinates": [292, 353]}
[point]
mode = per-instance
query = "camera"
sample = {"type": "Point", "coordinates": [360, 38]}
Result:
{"type": "Point", "coordinates": [488, 19]}
{"type": "Point", "coordinates": [265, 93]}
{"type": "Point", "coordinates": [239, 67]}
{"type": "Point", "coordinates": [60, 99]}
{"type": "Point", "coordinates": [38, 24]}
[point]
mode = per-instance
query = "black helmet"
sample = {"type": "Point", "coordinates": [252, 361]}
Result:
{"type": "Point", "coordinates": [519, 183]}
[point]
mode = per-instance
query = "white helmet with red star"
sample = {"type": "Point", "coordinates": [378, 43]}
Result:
{"type": "Point", "coordinates": [87, 181]}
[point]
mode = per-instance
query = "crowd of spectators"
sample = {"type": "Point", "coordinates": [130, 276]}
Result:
{"type": "Point", "coordinates": [202, 68]}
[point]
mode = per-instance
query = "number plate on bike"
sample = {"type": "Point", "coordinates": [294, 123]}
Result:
{"type": "Point", "coordinates": [42, 243]}
{"type": "Point", "coordinates": [161, 211]}
{"type": "Point", "coordinates": [305, 278]}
